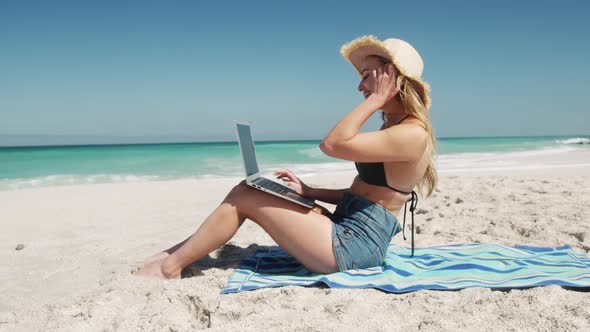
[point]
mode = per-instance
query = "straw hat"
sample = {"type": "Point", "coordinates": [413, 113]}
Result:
{"type": "Point", "coordinates": [405, 57]}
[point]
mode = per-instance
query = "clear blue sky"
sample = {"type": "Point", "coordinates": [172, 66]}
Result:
{"type": "Point", "coordinates": [186, 69]}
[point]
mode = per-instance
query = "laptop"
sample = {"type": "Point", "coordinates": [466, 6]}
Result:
{"type": "Point", "coordinates": [253, 177]}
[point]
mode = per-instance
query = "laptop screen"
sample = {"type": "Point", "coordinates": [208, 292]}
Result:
{"type": "Point", "coordinates": [247, 146]}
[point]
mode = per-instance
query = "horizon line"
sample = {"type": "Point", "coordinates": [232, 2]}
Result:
{"type": "Point", "coordinates": [220, 142]}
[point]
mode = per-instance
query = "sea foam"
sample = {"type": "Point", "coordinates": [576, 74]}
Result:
{"type": "Point", "coordinates": [575, 140]}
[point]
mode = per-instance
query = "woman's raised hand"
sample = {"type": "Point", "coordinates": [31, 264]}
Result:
{"type": "Point", "coordinates": [292, 181]}
{"type": "Point", "coordinates": [385, 86]}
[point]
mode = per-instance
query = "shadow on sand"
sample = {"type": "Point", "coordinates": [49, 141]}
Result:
{"type": "Point", "coordinates": [228, 257]}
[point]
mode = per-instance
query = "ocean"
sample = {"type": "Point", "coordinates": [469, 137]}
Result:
{"type": "Point", "coordinates": [42, 166]}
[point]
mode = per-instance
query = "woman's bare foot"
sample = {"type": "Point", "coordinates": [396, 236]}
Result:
{"type": "Point", "coordinates": [162, 255]}
{"type": "Point", "coordinates": [154, 269]}
{"type": "Point", "coordinates": [157, 257]}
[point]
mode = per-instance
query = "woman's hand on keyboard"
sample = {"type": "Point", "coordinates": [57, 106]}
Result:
{"type": "Point", "coordinates": [292, 181]}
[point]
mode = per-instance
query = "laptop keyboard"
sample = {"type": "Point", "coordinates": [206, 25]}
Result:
{"type": "Point", "coordinates": [272, 186]}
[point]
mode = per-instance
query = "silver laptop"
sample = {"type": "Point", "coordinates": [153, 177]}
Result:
{"type": "Point", "coordinates": [253, 177]}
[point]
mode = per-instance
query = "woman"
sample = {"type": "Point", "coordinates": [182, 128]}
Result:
{"type": "Point", "coordinates": [390, 162]}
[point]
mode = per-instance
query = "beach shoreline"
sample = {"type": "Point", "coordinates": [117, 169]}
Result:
{"type": "Point", "coordinates": [24, 168]}
{"type": "Point", "coordinates": [82, 242]}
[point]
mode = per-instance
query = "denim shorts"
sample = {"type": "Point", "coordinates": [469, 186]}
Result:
{"type": "Point", "coordinates": [361, 232]}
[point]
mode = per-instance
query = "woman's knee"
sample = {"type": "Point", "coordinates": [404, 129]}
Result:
{"type": "Point", "coordinates": [238, 191]}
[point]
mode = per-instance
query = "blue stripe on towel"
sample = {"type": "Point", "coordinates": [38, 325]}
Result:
{"type": "Point", "coordinates": [448, 267]}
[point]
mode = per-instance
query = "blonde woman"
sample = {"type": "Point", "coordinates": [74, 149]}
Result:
{"type": "Point", "coordinates": [390, 162]}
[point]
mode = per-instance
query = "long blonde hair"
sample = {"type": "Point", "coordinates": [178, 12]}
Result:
{"type": "Point", "coordinates": [414, 96]}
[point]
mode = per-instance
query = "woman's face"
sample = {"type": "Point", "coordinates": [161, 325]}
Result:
{"type": "Point", "coordinates": [367, 83]}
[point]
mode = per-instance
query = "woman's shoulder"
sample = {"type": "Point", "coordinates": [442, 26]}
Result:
{"type": "Point", "coordinates": [410, 120]}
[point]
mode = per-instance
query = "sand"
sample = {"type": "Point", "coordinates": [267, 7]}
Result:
{"type": "Point", "coordinates": [82, 243]}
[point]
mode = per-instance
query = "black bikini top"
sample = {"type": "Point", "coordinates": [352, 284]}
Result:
{"type": "Point", "coordinates": [374, 173]}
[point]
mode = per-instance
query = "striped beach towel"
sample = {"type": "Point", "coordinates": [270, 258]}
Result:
{"type": "Point", "coordinates": [449, 267]}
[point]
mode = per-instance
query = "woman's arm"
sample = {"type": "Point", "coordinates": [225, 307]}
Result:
{"type": "Point", "coordinates": [332, 196]}
{"type": "Point", "coordinates": [348, 127]}
{"type": "Point", "coordinates": [402, 143]}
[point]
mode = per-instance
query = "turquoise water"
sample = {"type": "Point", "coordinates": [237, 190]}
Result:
{"type": "Point", "coordinates": [23, 167]}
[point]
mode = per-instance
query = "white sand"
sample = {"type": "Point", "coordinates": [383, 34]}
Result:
{"type": "Point", "coordinates": [82, 242]}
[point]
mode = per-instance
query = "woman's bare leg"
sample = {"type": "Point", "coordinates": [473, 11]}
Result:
{"type": "Point", "coordinates": [163, 254]}
{"type": "Point", "coordinates": [215, 231]}
{"type": "Point", "coordinates": [304, 234]}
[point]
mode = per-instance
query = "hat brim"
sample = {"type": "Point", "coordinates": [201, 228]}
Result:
{"type": "Point", "coordinates": [357, 50]}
